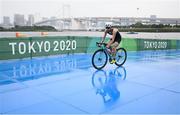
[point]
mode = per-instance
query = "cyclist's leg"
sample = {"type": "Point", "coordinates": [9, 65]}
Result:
{"type": "Point", "coordinates": [114, 46]}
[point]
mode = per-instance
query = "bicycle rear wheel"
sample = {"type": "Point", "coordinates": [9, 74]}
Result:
{"type": "Point", "coordinates": [121, 56]}
{"type": "Point", "coordinates": [99, 59]}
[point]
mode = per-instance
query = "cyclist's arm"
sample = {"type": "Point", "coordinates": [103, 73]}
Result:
{"type": "Point", "coordinates": [103, 38]}
{"type": "Point", "coordinates": [112, 39]}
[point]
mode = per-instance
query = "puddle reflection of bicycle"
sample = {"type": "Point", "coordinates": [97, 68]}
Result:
{"type": "Point", "coordinates": [105, 83]}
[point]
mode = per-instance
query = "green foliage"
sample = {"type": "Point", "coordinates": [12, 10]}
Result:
{"type": "Point", "coordinates": [29, 28]}
{"type": "Point", "coordinates": [149, 29]}
{"type": "Point", "coordinates": [1, 28]}
{"type": "Point", "coordinates": [139, 27]}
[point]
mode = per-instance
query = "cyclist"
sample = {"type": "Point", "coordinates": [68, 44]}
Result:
{"type": "Point", "coordinates": [114, 41]}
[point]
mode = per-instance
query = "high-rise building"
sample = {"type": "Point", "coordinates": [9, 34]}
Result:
{"type": "Point", "coordinates": [6, 20]}
{"type": "Point", "coordinates": [30, 20]}
{"type": "Point", "coordinates": [19, 20]}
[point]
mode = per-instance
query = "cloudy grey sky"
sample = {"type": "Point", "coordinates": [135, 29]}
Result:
{"type": "Point", "coordinates": [88, 8]}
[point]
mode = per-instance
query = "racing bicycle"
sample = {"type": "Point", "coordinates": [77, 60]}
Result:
{"type": "Point", "coordinates": [101, 56]}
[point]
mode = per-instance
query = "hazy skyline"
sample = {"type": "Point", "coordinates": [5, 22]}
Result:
{"type": "Point", "coordinates": [91, 8]}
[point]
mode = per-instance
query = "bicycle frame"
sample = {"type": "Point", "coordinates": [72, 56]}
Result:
{"type": "Point", "coordinates": [103, 47]}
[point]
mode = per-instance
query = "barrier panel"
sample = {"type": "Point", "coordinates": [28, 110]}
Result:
{"type": "Point", "coordinates": [178, 44]}
{"type": "Point", "coordinates": [28, 47]}
{"type": "Point", "coordinates": [129, 44]}
{"type": "Point", "coordinates": [9, 49]}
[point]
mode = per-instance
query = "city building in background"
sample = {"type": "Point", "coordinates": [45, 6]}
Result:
{"type": "Point", "coordinates": [19, 20]}
{"type": "Point", "coordinates": [6, 22]}
{"type": "Point", "coordinates": [31, 20]}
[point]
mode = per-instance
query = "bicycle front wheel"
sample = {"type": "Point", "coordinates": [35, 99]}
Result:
{"type": "Point", "coordinates": [121, 56]}
{"type": "Point", "coordinates": [99, 59]}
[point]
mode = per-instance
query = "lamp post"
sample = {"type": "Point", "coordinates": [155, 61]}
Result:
{"type": "Point", "coordinates": [137, 15]}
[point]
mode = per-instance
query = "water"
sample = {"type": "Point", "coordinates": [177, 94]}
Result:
{"type": "Point", "coordinates": [97, 34]}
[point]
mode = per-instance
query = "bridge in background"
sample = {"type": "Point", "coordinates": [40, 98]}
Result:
{"type": "Point", "coordinates": [97, 23]}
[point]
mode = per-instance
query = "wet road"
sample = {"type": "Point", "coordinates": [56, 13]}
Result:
{"type": "Point", "coordinates": [149, 82]}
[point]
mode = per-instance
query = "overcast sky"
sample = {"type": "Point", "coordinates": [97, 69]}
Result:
{"type": "Point", "coordinates": [91, 8]}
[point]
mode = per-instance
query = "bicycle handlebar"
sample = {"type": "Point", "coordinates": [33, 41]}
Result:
{"type": "Point", "coordinates": [100, 44]}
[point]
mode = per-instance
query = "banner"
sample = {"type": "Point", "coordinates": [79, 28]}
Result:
{"type": "Point", "coordinates": [18, 48]}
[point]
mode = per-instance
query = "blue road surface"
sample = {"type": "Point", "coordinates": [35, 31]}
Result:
{"type": "Point", "coordinates": [148, 83]}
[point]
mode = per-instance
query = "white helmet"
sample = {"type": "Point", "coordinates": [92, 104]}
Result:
{"type": "Point", "coordinates": [108, 26]}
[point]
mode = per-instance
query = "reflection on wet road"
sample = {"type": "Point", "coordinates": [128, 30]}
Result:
{"type": "Point", "coordinates": [105, 83]}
